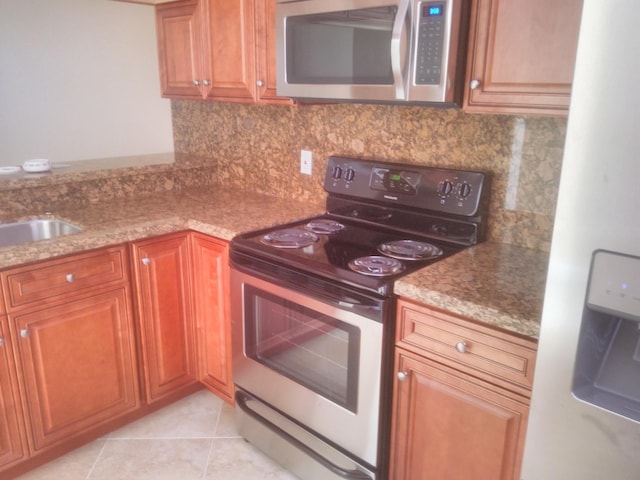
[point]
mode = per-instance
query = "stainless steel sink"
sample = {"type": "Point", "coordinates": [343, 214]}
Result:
{"type": "Point", "coordinates": [34, 230]}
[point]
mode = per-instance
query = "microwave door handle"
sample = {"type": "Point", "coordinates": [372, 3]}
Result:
{"type": "Point", "coordinates": [397, 35]}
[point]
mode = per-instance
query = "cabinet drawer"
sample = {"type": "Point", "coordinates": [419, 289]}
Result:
{"type": "Point", "coordinates": [496, 356]}
{"type": "Point", "coordinates": [51, 279]}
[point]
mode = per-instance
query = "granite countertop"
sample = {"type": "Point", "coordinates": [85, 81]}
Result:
{"type": "Point", "coordinates": [498, 284]}
{"type": "Point", "coordinates": [494, 283]}
{"type": "Point", "coordinates": [98, 168]}
{"type": "Point", "coordinates": [218, 212]}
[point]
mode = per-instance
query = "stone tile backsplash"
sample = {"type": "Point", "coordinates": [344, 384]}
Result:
{"type": "Point", "coordinates": [257, 147]}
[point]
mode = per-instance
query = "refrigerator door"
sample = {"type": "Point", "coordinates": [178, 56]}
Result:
{"type": "Point", "coordinates": [598, 208]}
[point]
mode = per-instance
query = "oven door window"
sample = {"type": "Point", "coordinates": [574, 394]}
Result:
{"type": "Point", "coordinates": [316, 351]}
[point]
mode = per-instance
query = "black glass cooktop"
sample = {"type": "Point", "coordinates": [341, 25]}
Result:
{"type": "Point", "coordinates": [329, 254]}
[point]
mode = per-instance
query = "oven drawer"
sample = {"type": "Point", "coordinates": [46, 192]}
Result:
{"type": "Point", "coordinates": [496, 356]}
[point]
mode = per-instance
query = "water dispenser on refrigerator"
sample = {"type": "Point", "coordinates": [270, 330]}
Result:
{"type": "Point", "coordinates": [607, 370]}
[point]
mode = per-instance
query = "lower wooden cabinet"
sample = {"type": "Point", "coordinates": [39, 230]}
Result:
{"type": "Point", "coordinates": [78, 364]}
{"type": "Point", "coordinates": [450, 425]}
{"type": "Point", "coordinates": [13, 444]}
{"type": "Point", "coordinates": [457, 419]}
{"type": "Point", "coordinates": [68, 364]}
{"type": "Point", "coordinates": [211, 306]}
{"type": "Point", "coordinates": [167, 327]}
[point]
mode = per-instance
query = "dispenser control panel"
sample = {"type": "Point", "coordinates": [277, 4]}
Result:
{"type": "Point", "coordinates": [614, 284]}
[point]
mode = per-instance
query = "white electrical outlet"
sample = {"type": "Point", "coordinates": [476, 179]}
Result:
{"type": "Point", "coordinates": [306, 162]}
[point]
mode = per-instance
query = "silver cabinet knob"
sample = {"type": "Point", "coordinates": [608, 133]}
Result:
{"type": "Point", "coordinates": [474, 84]}
{"type": "Point", "coordinates": [206, 83]}
{"type": "Point", "coordinates": [260, 83]}
{"type": "Point", "coordinates": [402, 376]}
{"type": "Point", "coordinates": [196, 83]}
{"type": "Point", "coordinates": [24, 333]}
{"type": "Point", "coordinates": [461, 347]}
{"type": "Point", "coordinates": [70, 277]}
{"type": "Point", "coordinates": [146, 261]}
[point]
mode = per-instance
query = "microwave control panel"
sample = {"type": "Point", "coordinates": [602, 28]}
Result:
{"type": "Point", "coordinates": [430, 43]}
{"type": "Point", "coordinates": [457, 192]}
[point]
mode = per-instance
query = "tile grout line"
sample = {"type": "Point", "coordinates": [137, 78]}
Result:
{"type": "Point", "coordinates": [97, 459]}
{"type": "Point", "coordinates": [211, 442]}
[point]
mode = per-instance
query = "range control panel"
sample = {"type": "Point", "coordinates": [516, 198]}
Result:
{"type": "Point", "coordinates": [457, 192]}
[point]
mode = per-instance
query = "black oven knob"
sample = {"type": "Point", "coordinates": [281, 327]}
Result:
{"type": "Point", "coordinates": [350, 174]}
{"type": "Point", "coordinates": [337, 172]}
{"type": "Point", "coordinates": [464, 189]}
{"type": "Point", "coordinates": [445, 188]}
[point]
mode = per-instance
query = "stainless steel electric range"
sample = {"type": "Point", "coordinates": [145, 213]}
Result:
{"type": "Point", "coordinates": [313, 310]}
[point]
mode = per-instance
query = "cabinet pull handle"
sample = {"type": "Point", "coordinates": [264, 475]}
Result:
{"type": "Point", "coordinates": [474, 84]}
{"type": "Point", "coordinates": [146, 261]}
{"type": "Point", "coordinates": [24, 333]}
{"type": "Point", "coordinates": [1, 342]}
{"type": "Point", "coordinates": [196, 83]}
{"type": "Point", "coordinates": [71, 278]}
{"type": "Point", "coordinates": [461, 347]}
{"type": "Point", "coordinates": [260, 83]}
{"type": "Point", "coordinates": [402, 376]}
{"type": "Point", "coordinates": [206, 83]}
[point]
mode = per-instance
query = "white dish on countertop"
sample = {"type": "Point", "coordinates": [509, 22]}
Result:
{"type": "Point", "coordinates": [36, 165]}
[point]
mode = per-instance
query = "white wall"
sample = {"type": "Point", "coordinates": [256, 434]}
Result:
{"type": "Point", "coordinates": [79, 80]}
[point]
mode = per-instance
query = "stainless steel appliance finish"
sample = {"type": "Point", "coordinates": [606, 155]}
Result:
{"type": "Point", "coordinates": [371, 50]}
{"type": "Point", "coordinates": [575, 431]}
{"type": "Point", "coordinates": [315, 359]}
{"type": "Point", "coordinates": [312, 337]}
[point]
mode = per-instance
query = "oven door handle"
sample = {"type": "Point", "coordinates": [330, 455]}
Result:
{"type": "Point", "coordinates": [241, 400]}
{"type": "Point", "coordinates": [345, 299]}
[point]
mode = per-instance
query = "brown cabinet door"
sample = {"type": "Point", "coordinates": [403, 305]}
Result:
{"type": "Point", "coordinates": [449, 425]}
{"type": "Point", "coordinates": [179, 33]}
{"type": "Point", "coordinates": [78, 363]}
{"type": "Point", "coordinates": [266, 53]}
{"type": "Point", "coordinates": [230, 34]}
{"type": "Point", "coordinates": [164, 311]}
{"type": "Point", "coordinates": [522, 55]}
{"type": "Point", "coordinates": [211, 302]}
{"type": "Point", "coordinates": [13, 445]}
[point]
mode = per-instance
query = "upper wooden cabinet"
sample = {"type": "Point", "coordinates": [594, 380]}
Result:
{"type": "Point", "coordinates": [266, 53]}
{"type": "Point", "coordinates": [522, 56]}
{"type": "Point", "coordinates": [230, 49]}
{"type": "Point", "coordinates": [179, 37]}
{"type": "Point", "coordinates": [218, 50]}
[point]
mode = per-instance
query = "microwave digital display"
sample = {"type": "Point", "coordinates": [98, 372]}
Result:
{"type": "Point", "coordinates": [432, 11]}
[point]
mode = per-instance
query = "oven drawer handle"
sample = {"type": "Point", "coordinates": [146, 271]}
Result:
{"type": "Point", "coordinates": [241, 399]}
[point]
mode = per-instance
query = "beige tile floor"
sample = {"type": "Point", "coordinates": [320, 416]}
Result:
{"type": "Point", "coordinates": [192, 439]}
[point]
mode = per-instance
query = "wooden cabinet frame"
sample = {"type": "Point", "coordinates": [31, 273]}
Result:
{"type": "Point", "coordinates": [218, 50]}
{"type": "Point", "coordinates": [167, 330]}
{"type": "Point", "coordinates": [521, 56]}
{"type": "Point", "coordinates": [461, 397]}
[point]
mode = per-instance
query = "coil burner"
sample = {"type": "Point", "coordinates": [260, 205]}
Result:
{"type": "Point", "coordinates": [324, 226]}
{"type": "Point", "coordinates": [376, 266]}
{"type": "Point", "coordinates": [410, 250]}
{"type": "Point", "coordinates": [289, 238]}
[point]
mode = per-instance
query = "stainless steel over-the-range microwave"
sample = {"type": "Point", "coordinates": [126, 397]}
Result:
{"type": "Point", "coordinates": [371, 50]}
